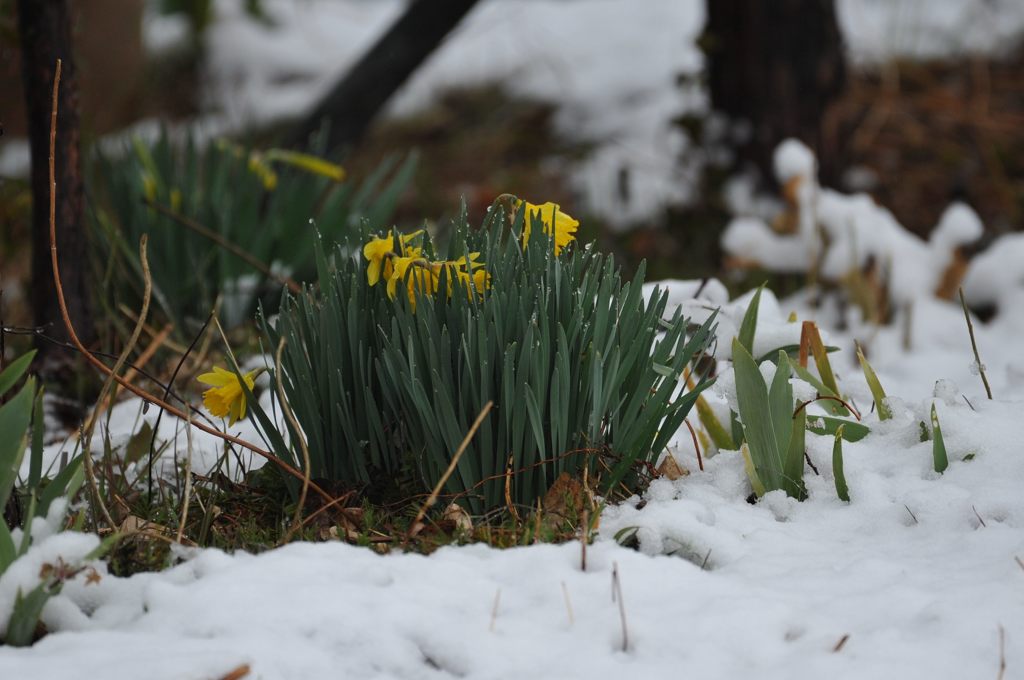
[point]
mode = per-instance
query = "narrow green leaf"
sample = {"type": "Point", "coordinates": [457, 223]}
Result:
{"type": "Point", "coordinates": [756, 416]}
{"type": "Point", "coordinates": [877, 393]}
{"type": "Point", "coordinates": [21, 627]}
{"type": "Point", "coordinates": [8, 552]}
{"type": "Point", "coordinates": [14, 419]}
{"type": "Point", "coordinates": [938, 445]}
{"type": "Point", "coordinates": [14, 371]}
{"type": "Point", "coordinates": [794, 470]}
{"type": "Point", "coordinates": [837, 467]}
{"type": "Point", "coordinates": [67, 483]}
{"type": "Point", "coordinates": [35, 469]}
{"type": "Point", "coordinates": [748, 327]}
{"type": "Point", "coordinates": [756, 485]}
{"type": "Point", "coordinates": [826, 425]}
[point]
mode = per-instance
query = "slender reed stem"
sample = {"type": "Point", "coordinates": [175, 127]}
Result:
{"type": "Point", "coordinates": [974, 345]}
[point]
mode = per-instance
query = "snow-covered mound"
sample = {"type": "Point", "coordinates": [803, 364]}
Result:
{"type": "Point", "coordinates": [836, 236]}
{"type": "Point", "coordinates": [917, 576]}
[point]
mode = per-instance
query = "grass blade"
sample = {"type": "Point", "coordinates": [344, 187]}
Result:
{"type": "Point", "coordinates": [748, 327]}
{"type": "Point", "coordinates": [938, 445]}
{"type": "Point", "coordinates": [837, 467]}
{"type": "Point", "coordinates": [877, 393]}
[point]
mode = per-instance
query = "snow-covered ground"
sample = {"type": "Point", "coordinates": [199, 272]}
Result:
{"type": "Point", "coordinates": [921, 574]}
{"type": "Point", "coordinates": [610, 65]}
{"type": "Point", "coordinates": [917, 573]}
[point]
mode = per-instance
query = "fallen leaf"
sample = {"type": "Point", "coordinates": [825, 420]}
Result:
{"type": "Point", "coordinates": [671, 469]}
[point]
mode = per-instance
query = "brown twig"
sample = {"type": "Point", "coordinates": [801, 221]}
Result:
{"type": "Point", "coordinates": [978, 516]}
{"type": "Point", "coordinates": [106, 395]}
{"type": "Point", "coordinates": [617, 597]}
{"type": "Point", "coordinates": [568, 603]}
{"type": "Point", "coordinates": [696, 446]}
{"type": "Point", "coordinates": [91, 358]}
{"type": "Point", "coordinates": [237, 673]}
{"type": "Point", "coordinates": [829, 397]}
{"type": "Point", "coordinates": [1002, 653]}
{"type": "Point", "coordinates": [494, 610]}
{"type": "Point", "coordinates": [974, 344]}
{"type": "Point", "coordinates": [451, 468]}
{"type": "Point", "coordinates": [227, 245]}
{"type": "Point", "coordinates": [584, 537]}
{"type": "Point", "coordinates": [508, 489]}
{"type": "Point", "coordinates": [842, 643]}
{"type": "Point", "coordinates": [297, 521]}
{"type": "Point", "coordinates": [188, 485]}
{"type": "Point", "coordinates": [142, 360]}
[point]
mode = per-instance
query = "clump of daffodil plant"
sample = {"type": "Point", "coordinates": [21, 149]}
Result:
{"type": "Point", "coordinates": [390, 360]}
{"type": "Point", "coordinates": [266, 204]}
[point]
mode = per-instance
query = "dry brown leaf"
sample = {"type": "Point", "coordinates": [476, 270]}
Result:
{"type": "Point", "coordinates": [953, 276]}
{"type": "Point", "coordinates": [671, 469]}
{"type": "Point", "coordinates": [133, 524]}
{"type": "Point", "coordinates": [457, 515]}
{"type": "Point", "coordinates": [564, 501]}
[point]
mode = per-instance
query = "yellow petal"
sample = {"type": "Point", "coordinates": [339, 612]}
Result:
{"type": "Point", "coordinates": [214, 404]}
{"type": "Point", "coordinates": [557, 224]}
{"type": "Point", "coordinates": [217, 378]}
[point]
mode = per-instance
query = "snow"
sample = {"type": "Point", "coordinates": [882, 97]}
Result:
{"type": "Point", "coordinates": [915, 577]}
{"type": "Point", "coordinates": [794, 159]}
{"type": "Point", "coordinates": [753, 240]}
{"type": "Point", "coordinates": [611, 66]}
{"type": "Point", "coordinates": [854, 234]}
{"type": "Point", "coordinates": [878, 30]}
{"type": "Point", "coordinates": [997, 272]}
{"type": "Point", "coordinates": [917, 572]}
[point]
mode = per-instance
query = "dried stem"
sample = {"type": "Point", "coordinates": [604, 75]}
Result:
{"type": "Point", "coordinates": [617, 597]}
{"type": "Point", "coordinates": [974, 344]}
{"type": "Point", "coordinates": [827, 397]}
{"type": "Point", "coordinates": [494, 610]}
{"type": "Point", "coordinates": [105, 394]}
{"type": "Point", "coordinates": [568, 603]}
{"type": "Point", "coordinates": [91, 358]}
{"type": "Point", "coordinates": [297, 521]}
{"type": "Point", "coordinates": [451, 468]}
{"type": "Point", "coordinates": [188, 485]}
{"type": "Point", "coordinates": [696, 446]}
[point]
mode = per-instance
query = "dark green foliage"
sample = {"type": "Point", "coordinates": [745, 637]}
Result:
{"type": "Point", "coordinates": [225, 189]}
{"type": "Point", "coordinates": [16, 416]}
{"type": "Point", "coordinates": [579, 367]}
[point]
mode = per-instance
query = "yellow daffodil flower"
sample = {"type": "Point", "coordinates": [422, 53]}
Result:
{"type": "Point", "coordinates": [563, 231]}
{"type": "Point", "coordinates": [481, 281]}
{"type": "Point", "coordinates": [418, 275]}
{"type": "Point", "coordinates": [380, 251]}
{"type": "Point", "coordinates": [226, 396]}
{"type": "Point", "coordinates": [465, 269]}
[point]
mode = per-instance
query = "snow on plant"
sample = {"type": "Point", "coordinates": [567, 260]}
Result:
{"type": "Point", "coordinates": [774, 398]}
{"type": "Point", "coordinates": [850, 240]}
{"type": "Point", "coordinates": [583, 372]}
{"type": "Point", "coordinates": [36, 559]}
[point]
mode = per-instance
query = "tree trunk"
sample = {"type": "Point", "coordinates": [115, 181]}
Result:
{"type": "Point", "coordinates": [353, 103]}
{"type": "Point", "coordinates": [778, 64]}
{"type": "Point", "coordinates": [45, 31]}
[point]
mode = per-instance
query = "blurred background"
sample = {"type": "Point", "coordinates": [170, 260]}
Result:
{"type": "Point", "coordinates": [652, 121]}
